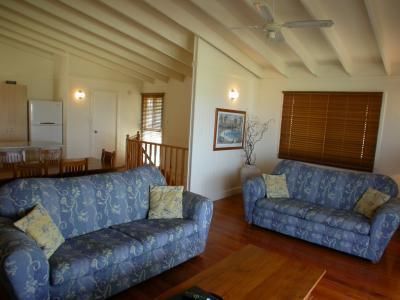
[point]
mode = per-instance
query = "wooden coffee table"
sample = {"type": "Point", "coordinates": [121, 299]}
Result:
{"type": "Point", "coordinates": [255, 273]}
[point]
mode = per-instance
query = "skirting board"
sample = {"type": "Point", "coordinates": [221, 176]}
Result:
{"type": "Point", "coordinates": [226, 193]}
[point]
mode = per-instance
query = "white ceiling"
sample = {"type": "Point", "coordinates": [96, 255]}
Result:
{"type": "Point", "coordinates": [154, 39]}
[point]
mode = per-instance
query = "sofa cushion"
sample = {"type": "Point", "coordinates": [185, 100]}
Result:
{"type": "Point", "coordinates": [370, 202]}
{"type": "Point", "coordinates": [276, 186]}
{"type": "Point", "coordinates": [91, 252]}
{"type": "Point", "coordinates": [156, 233]}
{"type": "Point", "coordinates": [292, 207]}
{"type": "Point", "coordinates": [343, 219]}
{"type": "Point", "coordinates": [39, 226]}
{"type": "Point", "coordinates": [166, 202]}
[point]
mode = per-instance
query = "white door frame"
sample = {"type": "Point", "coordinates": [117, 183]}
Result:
{"type": "Point", "coordinates": [91, 132]}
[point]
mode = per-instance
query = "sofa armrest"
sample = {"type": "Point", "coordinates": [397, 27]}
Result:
{"type": "Point", "coordinates": [24, 269]}
{"type": "Point", "coordinates": [253, 189]}
{"type": "Point", "coordinates": [384, 224]}
{"type": "Point", "coordinates": [199, 209]}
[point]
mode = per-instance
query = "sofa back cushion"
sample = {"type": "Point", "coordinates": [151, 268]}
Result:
{"type": "Point", "coordinates": [333, 188]}
{"type": "Point", "coordinates": [79, 205]}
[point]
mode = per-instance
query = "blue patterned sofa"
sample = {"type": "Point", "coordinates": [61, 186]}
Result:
{"type": "Point", "coordinates": [110, 245]}
{"type": "Point", "coordinates": [320, 209]}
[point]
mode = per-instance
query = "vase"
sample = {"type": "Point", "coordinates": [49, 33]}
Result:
{"type": "Point", "coordinates": [249, 171]}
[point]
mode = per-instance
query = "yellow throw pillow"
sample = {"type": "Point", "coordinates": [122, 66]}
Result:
{"type": "Point", "coordinates": [276, 186]}
{"type": "Point", "coordinates": [370, 201]}
{"type": "Point", "coordinates": [166, 202]}
{"type": "Point", "coordinates": [40, 227]}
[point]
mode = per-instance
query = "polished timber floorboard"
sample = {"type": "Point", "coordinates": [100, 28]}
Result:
{"type": "Point", "coordinates": [347, 277]}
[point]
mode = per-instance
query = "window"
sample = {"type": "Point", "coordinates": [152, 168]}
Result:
{"type": "Point", "coordinates": [152, 111]}
{"type": "Point", "coordinates": [332, 128]}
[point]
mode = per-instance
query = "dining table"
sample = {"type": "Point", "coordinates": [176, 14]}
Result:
{"type": "Point", "coordinates": [95, 166]}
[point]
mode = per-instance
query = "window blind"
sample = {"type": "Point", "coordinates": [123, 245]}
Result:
{"type": "Point", "coordinates": [152, 112]}
{"type": "Point", "coordinates": [332, 128]}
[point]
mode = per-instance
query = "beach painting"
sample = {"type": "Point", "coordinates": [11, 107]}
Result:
{"type": "Point", "coordinates": [229, 129]}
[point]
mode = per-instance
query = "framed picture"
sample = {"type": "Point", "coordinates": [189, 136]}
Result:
{"type": "Point", "coordinates": [229, 129]}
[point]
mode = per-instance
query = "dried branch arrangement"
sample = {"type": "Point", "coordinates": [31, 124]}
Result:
{"type": "Point", "coordinates": [255, 131]}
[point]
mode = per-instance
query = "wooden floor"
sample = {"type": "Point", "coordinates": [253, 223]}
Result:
{"type": "Point", "coordinates": [347, 277]}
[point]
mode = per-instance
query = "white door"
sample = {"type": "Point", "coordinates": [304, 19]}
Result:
{"type": "Point", "coordinates": [104, 122]}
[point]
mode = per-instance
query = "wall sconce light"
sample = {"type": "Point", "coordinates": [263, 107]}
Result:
{"type": "Point", "coordinates": [233, 94]}
{"type": "Point", "coordinates": [80, 95]}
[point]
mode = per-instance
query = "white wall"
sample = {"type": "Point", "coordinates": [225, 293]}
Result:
{"type": "Point", "coordinates": [36, 72]}
{"type": "Point", "coordinates": [269, 105]}
{"type": "Point", "coordinates": [176, 115]}
{"type": "Point", "coordinates": [91, 77]}
{"type": "Point", "coordinates": [215, 174]}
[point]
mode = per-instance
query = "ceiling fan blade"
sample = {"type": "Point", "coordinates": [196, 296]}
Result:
{"type": "Point", "coordinates": [308, 23]}
{"type": "Point", "coordinates": [264, 10]}
{"type": "Point", "coordinates": [257, 27]}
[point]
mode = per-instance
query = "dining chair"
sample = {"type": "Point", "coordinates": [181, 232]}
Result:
{"type": "Point", "coordinates": [74, 167]}
{"type": "Point", "coordinates": [32, 155]}
{"type": "Point", "coordinates": [28, 170]}
{"type": "Point", "coordinates": [11, 157]}
{"type": "Point", "coordinates": [108, 158]}
{"type": "Point", "coordinates": [52, 157]}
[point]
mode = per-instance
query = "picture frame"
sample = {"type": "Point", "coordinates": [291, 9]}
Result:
{"type": "Point", "coordinates": [229, 129]}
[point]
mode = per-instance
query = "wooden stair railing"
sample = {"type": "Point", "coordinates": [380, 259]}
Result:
{"type": "Point", "coordinates": [171, 160]}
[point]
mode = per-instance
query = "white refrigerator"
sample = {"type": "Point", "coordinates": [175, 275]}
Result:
{"type": "Point", "coordinates": [46, 121]}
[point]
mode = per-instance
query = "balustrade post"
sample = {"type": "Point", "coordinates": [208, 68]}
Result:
{"type": "Point", "coordinates": [127, 152]}
{"type": "Point", "coordinates": [137, 135]}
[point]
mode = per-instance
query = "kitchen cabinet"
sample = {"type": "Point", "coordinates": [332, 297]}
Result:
{"type": "Point", "coordinates": [13, 112]}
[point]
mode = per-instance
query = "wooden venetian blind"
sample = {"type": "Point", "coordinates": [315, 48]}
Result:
{"type": "Point", "coordinates": [332, 128]}
{"type": "Point", "coordinates": [152, 112]}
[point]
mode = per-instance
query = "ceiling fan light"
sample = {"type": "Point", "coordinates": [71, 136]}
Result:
{"type": "Point", "coordinates": [271, 34]}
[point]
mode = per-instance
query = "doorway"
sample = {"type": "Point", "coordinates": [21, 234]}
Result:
{"type": "Point", "coordinates": [104, 122]}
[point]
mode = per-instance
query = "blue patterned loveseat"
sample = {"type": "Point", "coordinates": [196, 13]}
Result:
{"type": "Point", "coordinates": [320, 208]}
{"type": "Point", "coordinates": [110, 245]}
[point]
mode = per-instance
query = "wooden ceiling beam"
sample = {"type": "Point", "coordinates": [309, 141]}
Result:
{"type": "Point", "coordinates": [26, 47]}
{"type": "Point", "coordinates": [94, 18]}
{"type": "Point", "coordinates": [176, 11]}
{"type": "Point", "coordinates": [30, 43]}
{"type": "Point", "coordinates": [331, 35]}
{"type": "Point", "coordinates": [27, 34]}
{"type": "Point", "coordinates": [76, 37]}
{"type": "Point", "coordinates": [143, 14]}
{"type": "Point", "coordinates": [23, 39]}
{"type": "Point", "coordinates": [298, 47]}
{"type": "Point", "coordinates": [111, 66]}
{"type": "Point", "coordinates": [372, 9]}
{"type": "Point", "coordinates": [82, 45]}
{"type": "Point", "coordinates": [140, 40]}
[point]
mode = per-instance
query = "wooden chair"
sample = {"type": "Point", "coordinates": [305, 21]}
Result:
{"type": "Point", "coordinates": [74, 167]}
{"type": "Point", "coordinates": [32, 155]}
{"type": "Point", "coordinates": [52, 157]}
{"type": "Point", "coordinates": [28, 170]}
{"type": "Point", "coordinates": [108, 158]}
{"type": "Point", "coordinates": [10, 158]}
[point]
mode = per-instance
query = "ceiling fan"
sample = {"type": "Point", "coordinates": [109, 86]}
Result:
{"type": "Point", "coordinates": [273, 29]}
